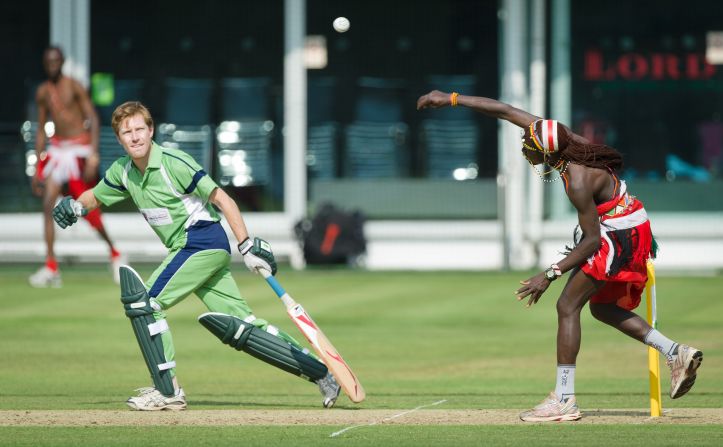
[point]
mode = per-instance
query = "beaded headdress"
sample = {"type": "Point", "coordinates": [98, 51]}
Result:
{"type": "Point", "coordinates": [544, 138]}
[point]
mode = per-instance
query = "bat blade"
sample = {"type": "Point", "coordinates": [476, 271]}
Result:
{"type": "Point", "coordinates": [343, 374]}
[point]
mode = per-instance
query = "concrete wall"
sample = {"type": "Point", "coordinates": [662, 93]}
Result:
{"type": "Point", "coordinates": [692, 243]}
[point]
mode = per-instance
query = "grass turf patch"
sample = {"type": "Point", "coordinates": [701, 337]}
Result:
{"type": "Point", "coordinates": [537, 435]}
{"type": "Point", "coordinates": [412, 337]}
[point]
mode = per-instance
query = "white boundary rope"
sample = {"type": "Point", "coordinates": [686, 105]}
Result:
{"type": "Point", "coordinates": [337, 433]}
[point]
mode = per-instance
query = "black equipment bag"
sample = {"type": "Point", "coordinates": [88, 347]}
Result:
{"type": "Point", "coordinates": [332, 236]}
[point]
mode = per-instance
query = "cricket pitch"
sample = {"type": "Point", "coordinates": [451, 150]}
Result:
{"type": "Point", "coordinates": [339, 417]}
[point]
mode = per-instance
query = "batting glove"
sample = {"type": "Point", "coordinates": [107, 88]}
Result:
{"type": "Point", "coordinates": [66, 213]}
{"type": "Point", "coordinates": [257, 255]}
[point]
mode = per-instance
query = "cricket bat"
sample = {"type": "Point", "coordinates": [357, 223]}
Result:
{"type": "Point", "coordinates": [343, 374]}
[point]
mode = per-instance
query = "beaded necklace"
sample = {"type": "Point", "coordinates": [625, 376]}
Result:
{"type": "Point", "coordinates": [561, 167]}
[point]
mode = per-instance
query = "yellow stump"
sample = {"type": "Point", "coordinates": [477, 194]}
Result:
{"type": "Point", "coordinates": [656, 406]}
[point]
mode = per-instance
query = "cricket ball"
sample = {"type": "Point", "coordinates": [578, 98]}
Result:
{"type": "Point", "coordinates": [341, 24]}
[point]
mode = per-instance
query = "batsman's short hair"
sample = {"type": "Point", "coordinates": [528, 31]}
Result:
{"type": "Point", "coordinates": [127, 110]}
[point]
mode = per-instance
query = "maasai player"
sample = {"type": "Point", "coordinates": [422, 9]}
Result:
{"type": "Point", "coordinates": [71, 158]}
{"type": "Point", "coordinates": [608, 260]}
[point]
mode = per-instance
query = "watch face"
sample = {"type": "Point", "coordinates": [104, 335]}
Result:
{"type": "Point", "coordinates": [550, 274]}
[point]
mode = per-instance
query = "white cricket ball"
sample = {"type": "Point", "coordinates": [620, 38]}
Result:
{"type": "Point", "coordinates": [341, 24]}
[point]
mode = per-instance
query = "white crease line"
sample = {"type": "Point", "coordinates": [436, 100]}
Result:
{"type": "Point", "coordinates": [337, 433]}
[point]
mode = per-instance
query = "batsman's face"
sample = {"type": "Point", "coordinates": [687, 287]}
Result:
{"type": "Point", "coordinates": [135, 136]}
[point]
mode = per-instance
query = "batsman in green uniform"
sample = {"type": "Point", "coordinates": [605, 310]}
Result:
{"type": "Point", "coordinates": [175, 196]}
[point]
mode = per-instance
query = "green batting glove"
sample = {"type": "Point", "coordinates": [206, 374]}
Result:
{"type": "Point", "coordinates": [66, 213]}
{"type": "Point", "coordinates": [258, 255]}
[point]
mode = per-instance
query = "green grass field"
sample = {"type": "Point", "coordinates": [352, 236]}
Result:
{"type": "Point", "coordinates": [412, 338]}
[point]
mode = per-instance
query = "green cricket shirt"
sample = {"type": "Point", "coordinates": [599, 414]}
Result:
{"type": "Point", "coordinates": [172, 194]}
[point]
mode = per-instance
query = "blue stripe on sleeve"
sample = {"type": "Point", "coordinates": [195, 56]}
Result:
{"type": "Point", "coordinates": [196, 178]}
{"type": "Point", "coordinates": [117, 187]}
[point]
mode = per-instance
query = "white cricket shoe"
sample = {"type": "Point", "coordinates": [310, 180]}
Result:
{"type": "Point", "coordinates": [150, 399]}
{"type": "Point", "coordinates": [45, 277]}
{"type": "Point", "coordinates": [552, 410]}
{"type": "Point", "coordinates": [329, 389]}
{"type": "Point", "coordinates": [683, 370]}
{"type": "Point", "coordinates": [115, 264]}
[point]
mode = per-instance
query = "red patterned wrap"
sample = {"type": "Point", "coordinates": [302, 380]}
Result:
{"type": "Point", "coordinates": [625, 246]}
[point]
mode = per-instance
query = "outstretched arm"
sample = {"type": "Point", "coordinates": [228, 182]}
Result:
{"type": "Point", "coordinates": [490, 107]}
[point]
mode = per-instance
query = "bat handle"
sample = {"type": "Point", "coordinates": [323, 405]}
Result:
{"type": "Point", "coordinates": [272, 282]}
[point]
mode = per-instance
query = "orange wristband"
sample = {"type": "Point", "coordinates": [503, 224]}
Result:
{"type": "Point", "coordinates": [453, 99]}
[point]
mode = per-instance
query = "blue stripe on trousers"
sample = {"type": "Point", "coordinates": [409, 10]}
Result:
{"type": "Point", "coordinates": [204, 235]}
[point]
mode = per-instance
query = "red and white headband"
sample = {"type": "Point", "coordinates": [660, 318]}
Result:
{"type": "Point", "coordinates": [544, 135]}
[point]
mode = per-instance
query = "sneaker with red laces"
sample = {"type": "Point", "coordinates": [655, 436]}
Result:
{"type": "Point", "coordinates": [552, 410]}
{"type": "Point", "coordinates": [683, 370]}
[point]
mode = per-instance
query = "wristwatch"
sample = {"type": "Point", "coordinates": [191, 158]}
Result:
{"type": "Point", "coordinates": [553, 272]}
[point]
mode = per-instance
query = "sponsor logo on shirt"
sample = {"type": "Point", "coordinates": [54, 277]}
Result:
{"type": "Point", "coordinates": [157, 216]}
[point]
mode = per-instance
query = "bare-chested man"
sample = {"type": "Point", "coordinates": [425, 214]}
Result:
{"type": "Point", "coordinates": [607, 264]}
{"type": "Point", "coordinates": [71, 159]}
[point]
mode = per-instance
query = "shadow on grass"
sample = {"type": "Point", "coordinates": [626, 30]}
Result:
{"type": "Point", "coordinates": [630, 413]}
